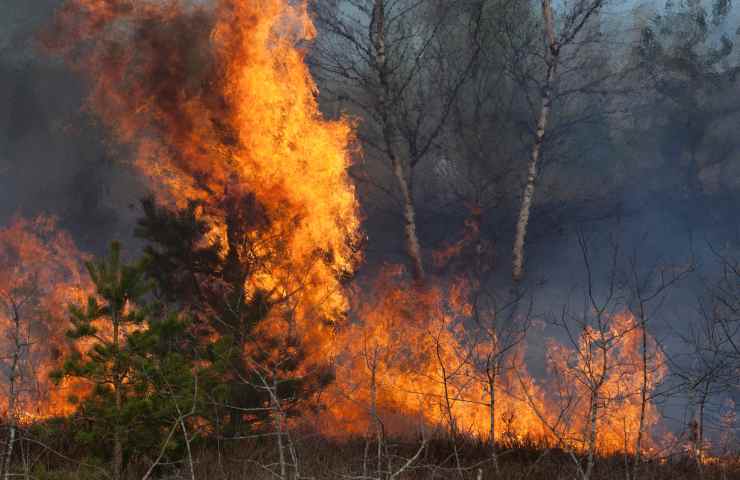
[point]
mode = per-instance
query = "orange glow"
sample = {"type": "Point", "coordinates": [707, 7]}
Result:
{"type": "Point", "coordinates": [42, 272]}
{"type": "Point", "coordinates": [413, 349]}
{"type": "Point", "coordinates": [219, 106]}
{"type": "Point", "coordinates": [619, 376]}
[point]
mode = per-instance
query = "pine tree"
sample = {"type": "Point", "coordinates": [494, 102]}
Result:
{"type": "Point", "coordinates": [104, 324]}
{"type": "Point", "coordinates": [209, 278]}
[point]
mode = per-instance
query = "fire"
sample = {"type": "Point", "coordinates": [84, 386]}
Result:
{"type": "Point", "coordinates": [42, 272]}
{"type": "Point", "coordinates": [416, 353]}
{"type": "Point", "coordinates": [615, 382]}
{"type": "Point", "coordinates": [412, 354]}
{"type": "Point", "coordinates": [219, 107]}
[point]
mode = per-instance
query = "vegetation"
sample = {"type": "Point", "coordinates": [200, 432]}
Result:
{"type": "Point", "coordinates": [241, 336]}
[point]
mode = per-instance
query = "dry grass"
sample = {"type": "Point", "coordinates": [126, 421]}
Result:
{"type": "Point", "coordinates": [351, 459]}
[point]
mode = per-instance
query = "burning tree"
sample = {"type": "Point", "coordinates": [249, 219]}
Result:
{"type": "Point", "coordinates": [246, 126]}
{"type": "Point", "coordinates": [257, 224]}
{"type": "Point", "coordinates": [239, 332]}
{"type": "Point", "coordinates": [42, 271]}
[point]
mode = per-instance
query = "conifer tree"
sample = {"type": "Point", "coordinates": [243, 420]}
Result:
{"type": "Point", "coordinates": [106, 320]}
{"type": "Point", "coordinates": [209, 278]}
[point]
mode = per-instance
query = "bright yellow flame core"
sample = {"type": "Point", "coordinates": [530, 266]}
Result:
{"type": "Point", "coordinates": [244, 118]}
{"type": "Point", "coordinates": [235, 116]}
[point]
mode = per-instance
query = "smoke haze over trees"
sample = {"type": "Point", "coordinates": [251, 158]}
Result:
{"type": "Point", "coordinates": [381, 215]}
{"type": "Point", "coordinates": [633, 147]}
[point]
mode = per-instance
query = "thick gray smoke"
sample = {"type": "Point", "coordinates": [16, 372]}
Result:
{"type": "Point", "coordinates": [53, 157]}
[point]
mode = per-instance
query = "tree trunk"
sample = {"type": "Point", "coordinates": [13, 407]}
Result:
{"type": "Point", "coordinates": [700, 432]}
{"type": "Point", "coordinates": [413, 248]}
{"type": "Point", "coordinates": [13, 394]}
{"type": "Point", "coordinates": [117, 445]}
{"type": "Point", "coordinates": [12, 422]}
{"type": "Point", "coordinates": [374, 412]}
{"type": "Point", "coordinates": [492, 374]}
{"type": "Point", "coordinates": [551, 58]}
{"type": "Point", "coordinates": [593, 418]}
{"type": "Point", "coordinates": [448, 407]}
{"type": "Point", "coordinates": [380, 60]}
{"type": "Point", "coordinates": [9, 448]}
{"type": "Point", "coordinates": [594, 410]}
{"type": "Point", "coordinates": [643, 400]}
{"type": "Point", "coordinates": [117, 385]}
{"type": "Point", "coordinates": [191, 467]}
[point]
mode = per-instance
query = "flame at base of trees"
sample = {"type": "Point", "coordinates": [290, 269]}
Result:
{"type": "Point", "coordinates": [219, 107]}
{"type": "Point", "coordinates": [218, 103]}
{"type": "Point", "coordinates": [415, 355]}
{"type": "Point", "coordinates": [42, 273]}
{"type": "Point", "coordinates": [599, 383]}
{"type": "Point", "coordinates": [410, 356]}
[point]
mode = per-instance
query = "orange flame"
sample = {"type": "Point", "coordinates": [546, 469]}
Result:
{"type": "Point", "coordinates": [413, 354]}
{"type": "Point", "coordinates": [218, 103]}
{"type": "Point", "coordinates": [42, 273]}
{"type": "Point", "coordinates": [614, 381]}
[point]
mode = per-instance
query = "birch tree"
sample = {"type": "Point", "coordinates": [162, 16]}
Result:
{"type": "Point", "coordinates": [382, 59]}
{"type": "Point", "coordinates": [559, 34]}
{"type": "Point", "coordinates": [41, 271]}
{"type": "Point", "coordinates": [649, 291]}
{"type": "Point", "coordinates": [18, 305]}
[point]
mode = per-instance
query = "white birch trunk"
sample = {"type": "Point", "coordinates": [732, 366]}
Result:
{"type": "Point", "coordinates": [380, 60]}
{"type": "Point", "coordinates": [551, 58]}
{"type": "Point", "coordinates": [643, 400]}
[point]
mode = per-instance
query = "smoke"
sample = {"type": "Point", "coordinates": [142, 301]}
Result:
{"type": "Point", "coordinates": [54, 157]}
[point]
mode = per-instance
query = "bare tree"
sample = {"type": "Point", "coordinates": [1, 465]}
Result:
{"type": "Point", "coordinates": [17, 305]}
{"type": "Point", "coordinates": [609, 362]}
{"type": "Point", "coordinates": [384, 57]}
{"type": "Point", "coordinates": [269, 381]}
{"type": "Point", "coordinates": [649, 292]}
{"type": "Point", "coordinates": [574, 19]}
{"type": "Point", "coordinates": [387, 466]}
{"type": "Point", "coordinates": [706, 369]}
{"type": "Point", "coordinates": [503, 334]}
{"type": "Point", "coordinates": [179, 422]}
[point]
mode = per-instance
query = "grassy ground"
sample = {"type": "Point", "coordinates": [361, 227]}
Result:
{"type": "Point", "coordinates": [355, 459]}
